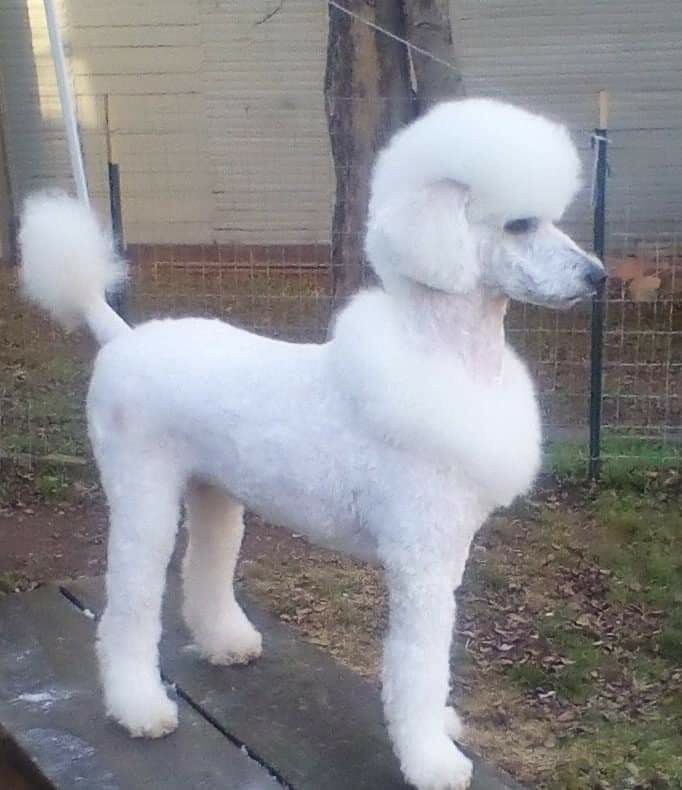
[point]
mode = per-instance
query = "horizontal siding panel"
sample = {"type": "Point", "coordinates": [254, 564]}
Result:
{"type": "Point", "coordinates": [284, 235]}
{"type": "Point", "coordinates": [216, 115]}
{"type": "Point", "coordinates": [164, 182]}
{"type": "Point", "coordinates": [556, 57]}
{"type": "Point", "coordinates": [269, 201]}
{"type": "Point", "coordinates": [105, 37]}
{"type": "Point", "coordinates": [146, 143]}
{"type": "Point", "coordinates": [173, 113]}
{"type": "Point", "coordinates": [127, 13]}
{"type": "Point", "coordinates": [152, 161]}
{"type": "Point", "coordinates": [138, 61]}
{"type": "Point", "coordinates": [192, 207]}
{"type": "Point", "coordinates": [136, 84]}
{"type": "Point", "coordinates": [272, 174]}
{"type": "Point", "coordinates": [165, 232]}
{"type": "Point", "coordinates": [574, 10]}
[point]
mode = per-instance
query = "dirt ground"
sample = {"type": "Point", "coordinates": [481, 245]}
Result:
{"type": "Point", "coordinates": [568, 667]}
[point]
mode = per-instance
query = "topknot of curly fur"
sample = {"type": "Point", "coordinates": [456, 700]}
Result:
{"type": "Point", "coordinates": [514, 163]}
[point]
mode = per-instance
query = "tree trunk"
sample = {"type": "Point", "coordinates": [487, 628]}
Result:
{"type": "Point", "coordinates": [428, 27]}
{"type": "Point", "coordinates": [367, 96]}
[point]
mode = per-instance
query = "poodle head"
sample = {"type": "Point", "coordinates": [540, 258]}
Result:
{"type": "Point", "coordinates": [467, 196]}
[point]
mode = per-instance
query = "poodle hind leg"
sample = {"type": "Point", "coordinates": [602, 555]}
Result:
{"type": "Point", "coordinates": [220, 628]}
{"type": "Point", "coordinates": [144, 502]}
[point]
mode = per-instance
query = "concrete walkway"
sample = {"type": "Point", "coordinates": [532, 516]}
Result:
{"type": "Point", "coordinates": [295, 718]}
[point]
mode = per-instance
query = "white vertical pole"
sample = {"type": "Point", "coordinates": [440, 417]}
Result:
{"type": "Point", "coordinates": [67, 102]}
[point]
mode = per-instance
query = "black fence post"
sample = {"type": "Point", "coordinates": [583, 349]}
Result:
{"type": "Point", "coordinates": [600, 141]}
{"type": "Point", "coordinates": [117, 300]}
{"type": "Point", "coordinates": [115, 206]}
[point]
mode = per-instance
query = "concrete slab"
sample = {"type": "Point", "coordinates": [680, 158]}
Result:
{"type": "Point", "coordinates": [53, 732]}
{"type": "Point", "coordinates": [295, 718]}
{"type": "Point", "coordinates": [315, 722]}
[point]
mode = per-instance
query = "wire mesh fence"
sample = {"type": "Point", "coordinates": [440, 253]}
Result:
{"type": "Point", "coordinates": [642, 367]}
{"type": "Point", "coordinates": [44, 371]}
{"type": "Point", "coordinates": [263, 193]}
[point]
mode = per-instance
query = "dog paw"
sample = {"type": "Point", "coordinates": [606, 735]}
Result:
{"type": "Point", "coordinates": [145, 713]}
{"type": "Point", "coordinates": [238, 643]}
{"type": "Point", "coordinates": [436, 764]}
{"type": "Point", "coordinates": [453, 724]}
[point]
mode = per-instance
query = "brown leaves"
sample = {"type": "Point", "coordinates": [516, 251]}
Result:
{"type": "Point", "coordinates": [636, 274]}
{"type": "Point", "coordinates": [538, 610]}
{"type": "Point", "coordinates": [645, 288]}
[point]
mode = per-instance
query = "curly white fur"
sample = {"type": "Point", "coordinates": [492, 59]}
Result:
{"type": "Point", "coordinates": [69, 264]}
{"type": "Point", "coordinates": [503, 153]}
{"type": "Point", "coordinates": [392, 442]}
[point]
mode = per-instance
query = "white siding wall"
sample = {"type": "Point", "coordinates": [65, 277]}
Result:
{"type": "Point", "coordinates": [556, 55]}
{"type": "Point", "coordinates": [272, 175]}
{"type": "Point", "coordinates": [216, 119]}
{"type": "Point", "coordinates": [33, 130]}
{"type": "Point", "coordinates": [216, 113]}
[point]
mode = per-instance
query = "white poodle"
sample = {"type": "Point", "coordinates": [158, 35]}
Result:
{"type": "Point", "coordinates": [393, 441]}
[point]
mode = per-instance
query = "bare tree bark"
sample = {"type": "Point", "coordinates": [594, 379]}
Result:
{"type": "Point", "coordinates": [427, 24]}
{"type": "Point", "coordinates": [368, 95]}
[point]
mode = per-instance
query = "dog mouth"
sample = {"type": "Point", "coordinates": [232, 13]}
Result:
{"type": "Point", "coordinates": [561, 302]}
{"type": "Point", "coordinates": [581, 297]}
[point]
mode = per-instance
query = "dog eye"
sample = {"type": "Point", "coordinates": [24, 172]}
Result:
{"type": "Point", "coordinates": [519, 226]}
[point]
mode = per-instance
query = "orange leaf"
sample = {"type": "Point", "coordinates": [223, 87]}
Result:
{"type": "Point", "coordinates": [645, 289]}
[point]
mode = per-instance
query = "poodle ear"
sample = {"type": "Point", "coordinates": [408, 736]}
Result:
{"type": "Point", "coordinates": [424, 236]}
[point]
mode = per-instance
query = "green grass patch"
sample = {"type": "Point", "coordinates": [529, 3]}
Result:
{"type": "Point", "coordinates": [621, 551]}
{"type": "Point", "coordinates": [645, 753]}
{"type": "Point", "coordinates": [572, 681]}
{"type": "Point", "coordinates": [12, 581]}
{"type": "Point", "coordinates": [626, 462]}
{"type": "Point", "coordinates": [530, 676]}
{"type": "Point", "coordinates": [43, 404]}
{"type": "Point", "coordinates": [487, 578]}
{"type": "Point", "coordinates": [640, 540]}
{"type": "Point", "coordinates": [670, 639]}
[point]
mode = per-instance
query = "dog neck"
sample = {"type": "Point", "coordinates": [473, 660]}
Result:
{"type": "Point", "coordinates": [469, 326]}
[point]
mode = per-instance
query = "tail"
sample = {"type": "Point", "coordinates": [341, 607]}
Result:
{"type": "Point", "coordinates": [68, 264]}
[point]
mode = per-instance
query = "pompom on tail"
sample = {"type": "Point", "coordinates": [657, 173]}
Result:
{"type": "Point", "coordinates": [68, 263]}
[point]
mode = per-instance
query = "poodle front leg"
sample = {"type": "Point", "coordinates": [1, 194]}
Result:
{"type": "Point", "coordinates": [416, 672]}
{"type": "Point", "coordinates": [220, 628]}
{"type": "Point", "coordinates": [144, 509]}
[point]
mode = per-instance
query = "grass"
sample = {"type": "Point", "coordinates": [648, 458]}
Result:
{"type": "Point", "coordinates": [573, 680]}
{"type": "Point", "coordinates": [45, 408]}
{"type": "Point", "coordinates": [627, 462]}
{"type": "Point", "coordinates": [570, 681]}
{"type": "Point", "coordinates": [12, 581]}
{"type": "Point", "coordinates": [644, 754]}
{"type": "Point", "coordinates": [334, 602]}
{"type": "Point", "coordinates": [619, 663]}
{"type": "Point", "coordinates": [643, 547]}
{"type": "Point", "coordinates": [641, 542]}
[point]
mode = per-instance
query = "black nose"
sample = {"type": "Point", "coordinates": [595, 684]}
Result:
{"type": "Point", "coordinates": [595, 275]}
